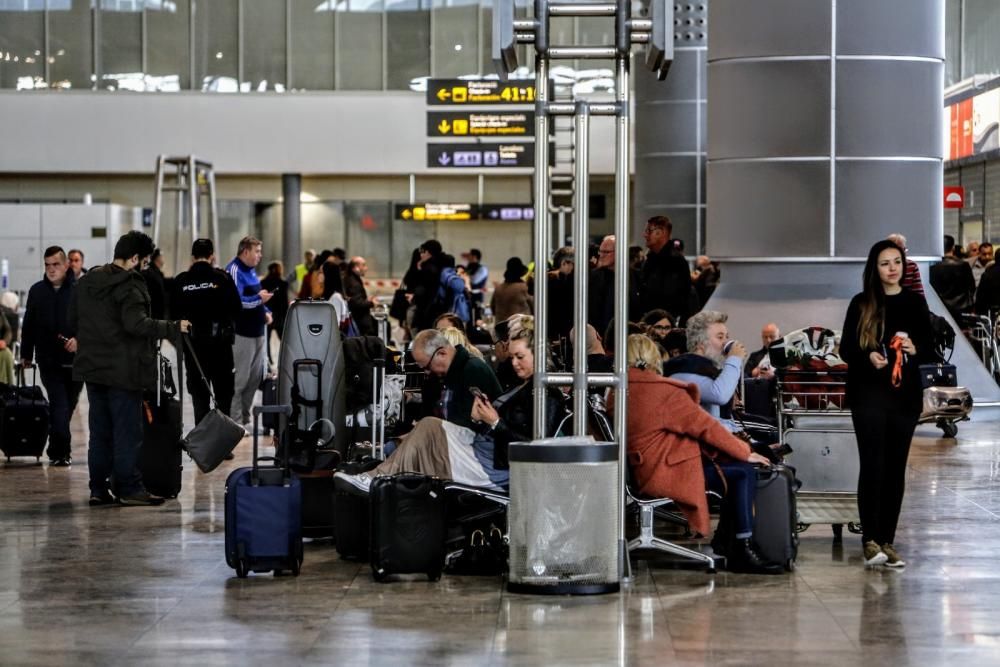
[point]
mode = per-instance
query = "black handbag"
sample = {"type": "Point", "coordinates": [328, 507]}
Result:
{"type": "Point", "coordinates": [216, 435]}
{"type": "Point", "coordinates": [484, 555]}
{"type": "Point", "coordinates": [938, 375]}
{"type": "Point", "coordinates": [400, 304]}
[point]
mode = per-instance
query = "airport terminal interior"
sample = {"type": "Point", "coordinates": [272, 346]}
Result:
{"type": "Point", "coordinates": [532, 151]}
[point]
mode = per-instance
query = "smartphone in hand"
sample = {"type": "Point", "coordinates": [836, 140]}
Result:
{"type": "Point", "coordinates": [478, 393]}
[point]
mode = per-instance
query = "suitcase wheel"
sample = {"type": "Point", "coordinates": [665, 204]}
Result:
{"type": "Point", "coordinates": [241, 569]}
{"type": "Point", "coordinates": [949, 429]}
{"type": "Point", "coordinates": [379, 576]}
{"type": "Point", "coordinates": [434, 576]}
{"type": "Point", "coordinates": [296, 567]}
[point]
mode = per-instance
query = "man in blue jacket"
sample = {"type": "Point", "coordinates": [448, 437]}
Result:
{"type": "Point", "coordinates": [48, 339]}
{"type": "Point", "coordinates": [249, 351]}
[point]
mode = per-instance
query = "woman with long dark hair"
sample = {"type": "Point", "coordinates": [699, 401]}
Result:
{"type": "Point", "coordinates": [886, 335]}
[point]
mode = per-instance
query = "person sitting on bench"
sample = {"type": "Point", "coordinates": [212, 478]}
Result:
{"type": "Point", "coordinates": [677, 450]}
{"type": "Point", "coordinates": [474, 455]}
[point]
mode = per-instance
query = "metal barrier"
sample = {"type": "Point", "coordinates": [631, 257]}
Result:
{"type": "Point", "coordinates": [191, 179]}
{"type": "Point", "coordinates": [657, 33]}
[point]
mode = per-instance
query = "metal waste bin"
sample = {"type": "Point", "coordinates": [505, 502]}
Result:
{"type": "Point", "coordinates": [563, 517]}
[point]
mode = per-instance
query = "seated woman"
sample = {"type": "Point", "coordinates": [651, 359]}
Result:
{"type": "Point", "coordinates": [475, 457]}
{"type": "Point", "coordinates": [677, 450]}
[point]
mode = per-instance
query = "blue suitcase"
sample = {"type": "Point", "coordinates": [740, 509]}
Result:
{"type": "Point", "coordinates": [264, 513]}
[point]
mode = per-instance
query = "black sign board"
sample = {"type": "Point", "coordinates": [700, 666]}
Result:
{"type": "Point", "coordinates": [492, 91]}
{"type": "Point", "coordinates": [482, 155]}
{"type": "Point", "coordinates": [463, 212]}
{"type": "Point", "coordinates": [481, 123]}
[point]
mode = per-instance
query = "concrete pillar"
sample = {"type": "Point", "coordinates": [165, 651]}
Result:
{"type": "Point", "coordinates": [670, 133]}
{"type": "Point", "coordinates": [291, 230]}
{"type": "Point", "coordinates": [825, 134]}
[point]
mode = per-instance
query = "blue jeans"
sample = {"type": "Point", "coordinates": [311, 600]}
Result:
{"type": "Point", "coordinates": [738, 493]}
{"type": "Point", "coordinates": [63, 394]}
{"type": "Point", "coordinates": [115, 439]}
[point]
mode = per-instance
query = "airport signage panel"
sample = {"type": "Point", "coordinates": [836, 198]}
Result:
{"type": "Point", "coordinates": [491, 91]}
{"type": "Point", "coordinates": [481, 156]}
{"type": "Point", "coordinates": [481, 123]}
{"type": "Point", "coordinates": [463, 212]}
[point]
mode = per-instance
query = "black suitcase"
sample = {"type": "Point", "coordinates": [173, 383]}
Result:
{"type": "Point", "coordinates": [775, 515]}
{"type": "Point", "coordinates": [350, 512]}
{"type": "Point", "coordinates": [264, 513]}
{"type": "Point", "coordinates": [24, 419]}
{"type": "Point", "coordinates": [269, 389]}
{"type": "Point", "coordinates": [160, 459]}
{"type": "Point", "coordinates": [408, 526]}
{"type": "Point", "coordinates": [760, 399]}
{"type": "Point", "coordinates": [317, 503]}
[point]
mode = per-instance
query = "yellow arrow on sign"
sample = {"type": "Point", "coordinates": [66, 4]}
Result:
{"type": "Point", "coordinates": [406, 214]}
{"type": "Point", "coordinates": [443, 94]}
{"type": "Point", "coordinates": [443, 127]}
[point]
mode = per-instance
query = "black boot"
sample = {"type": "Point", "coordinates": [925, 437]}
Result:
{"type": "Point", "coordinates": [745, 559]}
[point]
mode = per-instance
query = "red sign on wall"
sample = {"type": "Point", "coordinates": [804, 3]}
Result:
{"type": "Point", "coordinates": [954, 196]}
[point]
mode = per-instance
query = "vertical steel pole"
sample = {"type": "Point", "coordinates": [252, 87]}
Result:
{"type": "Point", "coordinates": [582, 152]}
{"type": "Point", "coordinates": [158, 200]}
{"type": "Point", "coordinates": [213, 206]}
{"type": "Point", "coordinates": [562, 228]}
{"type": "Point", "coordinates": [194, 195]}
{"type": "Point", "coordinates": [541, 230]}
{"type": "Point", "coordinates": [622, 207]}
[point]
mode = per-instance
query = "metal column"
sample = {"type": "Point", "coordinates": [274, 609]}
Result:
{"type": "Point", "coordinates": [657, 33]}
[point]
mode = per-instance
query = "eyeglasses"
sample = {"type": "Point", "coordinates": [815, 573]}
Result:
{"type": "Point", "coordinates": [430, 360]}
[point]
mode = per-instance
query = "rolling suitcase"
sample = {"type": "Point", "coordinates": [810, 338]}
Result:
{"type": "Point", "coordinates": [317, 503]}
{"type": "Point", "coordinates": [774, 518]}
{"type": "Point", "coordinates": [160, 459]}
{"type": "Point", "coordinates": [269, 390]}
{"type": "Point", "coordinates": [264, 513]}
{"type": "Point", "coordinates": [408, 526]}
{"type": "Point", "coordinates": [24, 418]}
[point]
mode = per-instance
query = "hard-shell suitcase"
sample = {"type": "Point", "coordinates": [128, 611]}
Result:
{"type": "Point", "coordinates": [24, 419]}
{"type": "Point", "coordinates": [269, 390]}
{"type": "Point", "coordinates": [160, 460]}
{"type": "Point", "coordinates": [264, 513]}
{"type": "Point", "coordinates": [947, 401]}
{"type": "Point", "coordinates": [317, 503]}
{"type": "Point", "coordinates": [774, 518]}
{"type": "Point", "coordinates": [350, 512]}
{"type": "Point", "coordinates": [408, 526]}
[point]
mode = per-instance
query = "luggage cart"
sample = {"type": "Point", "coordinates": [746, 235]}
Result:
{"type": "Point", "coordinates": [814, 421]}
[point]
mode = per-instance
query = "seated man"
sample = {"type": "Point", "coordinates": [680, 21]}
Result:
{"type": "Point", "coordinates": [711, 365]}
{"type": "Point", "coordinates": [759, 362]}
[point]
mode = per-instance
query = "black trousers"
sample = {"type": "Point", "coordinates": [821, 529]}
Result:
{"type": "Point", "coordinates": [63, 393]}
{"type": "Point", "coordinates": [884, 429]}
{"type": "Point", "coordinates": [217, 361]}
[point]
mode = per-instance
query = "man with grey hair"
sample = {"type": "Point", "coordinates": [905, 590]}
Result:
{"type": "Point", "coordinates": [458, 371]}
{"type": "Point", "coordinates": [713, 364]}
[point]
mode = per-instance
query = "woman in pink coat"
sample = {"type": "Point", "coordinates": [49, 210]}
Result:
{"type": "Point", "coordinates": [677, 450]}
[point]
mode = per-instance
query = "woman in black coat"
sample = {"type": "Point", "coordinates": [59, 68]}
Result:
{"type": "Point", "coordinates": [886, 336]}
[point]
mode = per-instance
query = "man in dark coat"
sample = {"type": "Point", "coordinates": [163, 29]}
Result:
{"type": "Point", "coordinates": [358, 301]}
{"type": "Point", "coordinates": [665, 280]}
{"type": "Point", "coordinates": [116, 357]}
{"type": "Point", "coordinates": [48, 339]}
{"type": "Point", "coordinates": [601, 289]}
{"type": "Point", "coordinates": [952, 279]}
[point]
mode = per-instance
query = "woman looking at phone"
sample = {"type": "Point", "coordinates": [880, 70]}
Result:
{"type": "Point", "coordinates": [886, 335]}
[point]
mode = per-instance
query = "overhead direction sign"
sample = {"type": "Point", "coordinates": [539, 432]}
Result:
{"type": "Point", "coordinates": [480, 123]}
{"type": "Point", "coordinates": [463, 212]}
{"type": "Point", "coordinates": [465, 92]}
{"type": "Point", "coordinates": [482, 155]}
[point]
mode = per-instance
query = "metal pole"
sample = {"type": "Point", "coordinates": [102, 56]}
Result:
{"type": "Point", "coordinates": [158, 200]}
{"type": "Point", "coordinates": [562, 227]}
{"type": "Point", "coordinates": [541, 230]}
{"type": "Point", "coordinates": [581, 205]}
{"type": "Point", "coordinates": [193, 197]}
{"type": "Point", "coordinates": [212, 205]}
{"type": "Point", "coordinates": [621, 288]}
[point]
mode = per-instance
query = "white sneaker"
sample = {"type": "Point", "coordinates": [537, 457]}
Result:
{"type": "Point", "coordinates": [361, 481]}
{"type": "Point", "coordinates": [873, 554]}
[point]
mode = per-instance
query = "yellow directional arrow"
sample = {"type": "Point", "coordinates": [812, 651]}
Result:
{"type": "Point", "coordinates": [406, 214]}
{"type": "Point", "coordinates": [444, 126]}
{"type": "Point", "coordinates": [443, 94]}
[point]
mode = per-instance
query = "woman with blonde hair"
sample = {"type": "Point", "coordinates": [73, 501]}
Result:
{"type": "Point", "coordinates": [458, 337]}
{"type": "Point", "coordinates": [677, 450]}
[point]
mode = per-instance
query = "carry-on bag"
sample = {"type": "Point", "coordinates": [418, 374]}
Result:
{"type": "Point", "coordinates": [350, 512]}
{"type": "Point", "coordinates": [216, 435]}
{"type": "Point", "coordinates": [24, 418]}
{"type": "Point", "coordinates": [264, 513]}
{"type": "Point", "coordinates": [317, 503]}
{"type": "Point", "coordinates": [269, 392]}
{"type": "Point", "coordinates": [774, 519]}
{"type": "Point", "coordinates": [160, 459]}
{"type": "Point", "coordinates": [408, 526]}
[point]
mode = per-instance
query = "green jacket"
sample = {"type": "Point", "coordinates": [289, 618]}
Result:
{"type": "Point", "coordinates": [464, 373]}
{"type": "Point", "coordinates": [116, 338]}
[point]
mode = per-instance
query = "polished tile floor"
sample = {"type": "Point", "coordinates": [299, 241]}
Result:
{"type": "Point", "coordinates": [149, 586]}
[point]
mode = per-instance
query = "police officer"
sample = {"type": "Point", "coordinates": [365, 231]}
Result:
{"type": "Point", "coordinates": [208, 298]}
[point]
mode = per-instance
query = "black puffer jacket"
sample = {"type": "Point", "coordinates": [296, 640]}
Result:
{"type": "Point", "coordinates": [115, 335]}
{"type": "Point", "coordinates": [516, 421]}
{"type": "Point", "coordinates": [47, 318]}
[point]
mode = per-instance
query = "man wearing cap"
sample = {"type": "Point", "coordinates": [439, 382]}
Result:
{"type": "Point", "coordinates": [479, 275]}
{"type": "Point", "coordinates": [208, 298]}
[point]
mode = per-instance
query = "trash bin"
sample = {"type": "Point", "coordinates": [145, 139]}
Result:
{"type": "Point", "coordinates": [563, 517]}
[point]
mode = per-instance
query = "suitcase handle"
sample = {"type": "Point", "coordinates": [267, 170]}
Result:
{"type": "Point", "coordinates": [20, 374]}
{"type": "Point", "coordinates": [283, 411]}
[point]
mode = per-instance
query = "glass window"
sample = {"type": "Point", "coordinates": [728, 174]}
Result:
{"type": "Point", "coordinates": [952, 42]}
{"type": "Point", "coordinates": [407, 235]}
{"type": "Point", "coordinates": [456, 38]}
{"type": "Point", "coordinates": [120, 63]}
{"type": "Point", "coordinates": [71, 45]}
{"type": "Point", "coordinates": [408, 54]}
{"type": "Point", "coordinates": [264, 45]}
{"type": "Point", "coordinates": [168, 46]}
{"type": "Point", "coordinates": [979, 43]}
{"type": "Point", "coordinates": [359, 45]}
{"type": "Point", "coordinates": [216, 39]}
{"type": "Point", "coordinates": [322, 226]}
{"type": "Point", "coordinates": [312, 45]}
{"type": "Point", "coordinates": [22, 40]}
{"type": "Point", "coordinates": [368, 235]}
{"type": "Point", "coordinates": [268, 218]}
